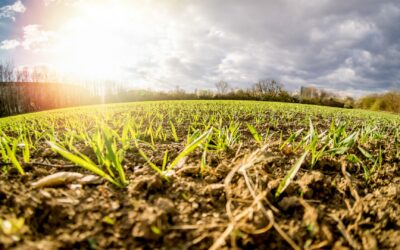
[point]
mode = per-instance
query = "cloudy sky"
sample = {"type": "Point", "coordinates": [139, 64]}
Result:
{"type": "Point", "coordinates": [349, 46]}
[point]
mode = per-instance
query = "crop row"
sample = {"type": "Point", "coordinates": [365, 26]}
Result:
{"type": "Point", "coordinates": [115, 133]}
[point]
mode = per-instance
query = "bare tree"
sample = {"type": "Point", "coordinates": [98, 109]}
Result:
{"type": "Point", "coordinates": [310, 92]}
{"type": "Point", "coordinates": [222, 87]}
{"type": "Point", "coordinates": [18, 75]}
{"type": "Point", "coordinates": [205, 93]}
{"type": "Point", "coordinates": [36, 75]}
{"type": "Point", "coordinates": [21, 74]}
{"type": "Point", "coordinates": [324, 95]}
{"type": "Point", "coordinates": [178, 91]}
{"type": "Point", "coordinates": [45, 73]}
{"type": "Point", "coordinates": [8, 72]}
{"type": "Point", "coordinates": [25, 74]}
{"type": "Point", "coordinates": [1, 72]}
{"type": "Point", "coordinates": [268, 87]}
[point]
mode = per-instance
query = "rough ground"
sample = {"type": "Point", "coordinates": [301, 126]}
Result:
{"type": "Point", "coordinates": [231, 205]}
{"type": "Point", "coordinates": [327, 207]}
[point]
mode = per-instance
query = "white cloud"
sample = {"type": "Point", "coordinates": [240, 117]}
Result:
{"type": "Point", "coordinates": [341, 75]}
{"type": "Point", "coordinates": [9, 44]}
{"type": "Point", "coordinates": [10, 11]}
{"type": "Point", "coordinates": [34, 38]}
{"type": "Point", "coordinates": [65, 2]}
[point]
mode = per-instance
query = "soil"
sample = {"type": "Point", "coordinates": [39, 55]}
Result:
{"type": "Point", "coordinates": [231, 205]}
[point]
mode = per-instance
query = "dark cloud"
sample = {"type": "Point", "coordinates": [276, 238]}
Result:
{"type": "Point", "coordinates": [351, 45]}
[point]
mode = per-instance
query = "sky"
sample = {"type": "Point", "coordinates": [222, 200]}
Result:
{"type": "Point", "coordinates": [351, 47]}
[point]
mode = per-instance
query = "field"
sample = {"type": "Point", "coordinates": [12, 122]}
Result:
{"type": "Point", "coordinates": [200, 175]}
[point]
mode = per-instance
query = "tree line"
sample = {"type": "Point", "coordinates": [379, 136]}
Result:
{"type": "Point", "coordinates": [19, 98]}
{"type": "Point", "coordinates": [34, 89]}
{"type": "Point", "coordinates": [30, 89]}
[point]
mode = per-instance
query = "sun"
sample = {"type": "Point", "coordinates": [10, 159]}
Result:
{"type": "Point", "coordinates": [92, 45]}
{"type": "Point", "coordinates": [114, 40]}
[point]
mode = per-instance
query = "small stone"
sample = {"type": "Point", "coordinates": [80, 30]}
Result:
{"type": "Point", "coordinates": [165, 204]}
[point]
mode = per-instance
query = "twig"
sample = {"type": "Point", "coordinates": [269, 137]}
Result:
{"type": "Point", "coordinates": [228, 192]}
{"type": "Point", "coordinates": [269, 215]}
{"type": "Point", "coordinates": [319, 245]}
{"type": "Point", "coordinates": [285, 236]}
{"type": "Point", "coordinates": [353, 191]}
{"type": "Point", "coordinates": [247, 163]}
{"type": "Point", "coordinates": [30, 164]}
{"type": "Point", "coordinates": [50, 165]}
{"type": "Point", "coordinates": [194, 227]}
{"type": "Point", "coordinates": [250, 185]}
{"type": "Point", "coordinates": [221, 239]}
{"type": "Point", "coordinates": [357, 204]}
{"type": "Point", "coordinates": [344, 232]}
{"type": "Point", "coordinates": [196, 240]}
{"type": "Point", "coordinates": [186, 168]}
{"type": "Point", "coordinates": [238, 152]}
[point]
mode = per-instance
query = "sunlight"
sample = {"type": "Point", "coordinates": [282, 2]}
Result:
{"type": "Point", "coordinates": [85, 50]}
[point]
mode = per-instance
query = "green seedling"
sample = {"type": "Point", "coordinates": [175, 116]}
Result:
{"type": "Point", "coordinates": [173, 131]}
{"type": "Point", "coordinates": [12, 155]}
{"type": "Point", "coordinates": [291, 138]}
{"type": "Point", "coordinates": [85, 163]}
{"type": "Point", "coordinates": [189, 148]}
{"type": "Point", "coordinates": [254, 133]}
{"type": "Point", "coordinates": [290, 175]}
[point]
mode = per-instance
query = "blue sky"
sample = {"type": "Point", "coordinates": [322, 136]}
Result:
{"type": "Point", "coordinates": [350, 47]}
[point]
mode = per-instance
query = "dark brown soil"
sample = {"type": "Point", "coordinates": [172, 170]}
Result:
{"type": "Point", "coordinates": [325, 207]}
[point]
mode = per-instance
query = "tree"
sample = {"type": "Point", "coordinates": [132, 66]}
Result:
{"type": "Point", "coordinates": [22, 74]}
{"type": "Point", "coordinates": [18, 75]}
{"type": "Point", "coordinates": [308, 92]}
{"type": "Point", "coordinates": [36, 75]}
{"type": "Point", "coordinates": [222, 87]}
{"type": "Point", "coordinates": [7, 72]}
{"type": "Point", "coordinates": [268, 87]}
{"type": "Point", "coordinates": [1, 72]}
{"type": "Point", "coordinates": [25, 74]}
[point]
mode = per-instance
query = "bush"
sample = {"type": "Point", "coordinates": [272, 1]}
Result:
{"type": "Point", "coordinates": [389, 101]}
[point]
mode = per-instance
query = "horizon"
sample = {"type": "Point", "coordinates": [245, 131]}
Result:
{"type": "Point", "coordinates": [350, 48]}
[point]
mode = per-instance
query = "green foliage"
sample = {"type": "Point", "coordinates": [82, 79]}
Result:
{"type": "Point", "coordinates": [389, 101]}
{"type": "Point", "coordinates": [11, 154]}
{"type": "Point", "coordinates": [84, 162]}
{"type": "Point", "coordinates": [106, 140]}
{"type": "Point", "coordinates": [254, 133]}
{"type": "Point", "coordinates": [173, 131]}
{"type": "Point", "coordinates": [290, 175]}
{"type": "Point", "coordinates": [189, 148]}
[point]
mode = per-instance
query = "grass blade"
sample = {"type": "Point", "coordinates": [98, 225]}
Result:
{"type": "Point", "coordinates": [152, 165]}
{"type": "Point", "coordinates": [189, 148]}
{"type": "Point", "coordinates": [254, 133]}
{"type": "Point", "coordinates": [365, 152]}
{"type": "Point", "coordinates": [11, 153]}
{"type": "Point", "coordinates": [174, 134]}
{"type": "Point", "coordinates": [165, 160]}
{"type": "Point", "coordinates": [290, 175]}
{"type": "Point", "coordinates": [113, 157]}
{"type": "Point", "coordinates": [81, 162]}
